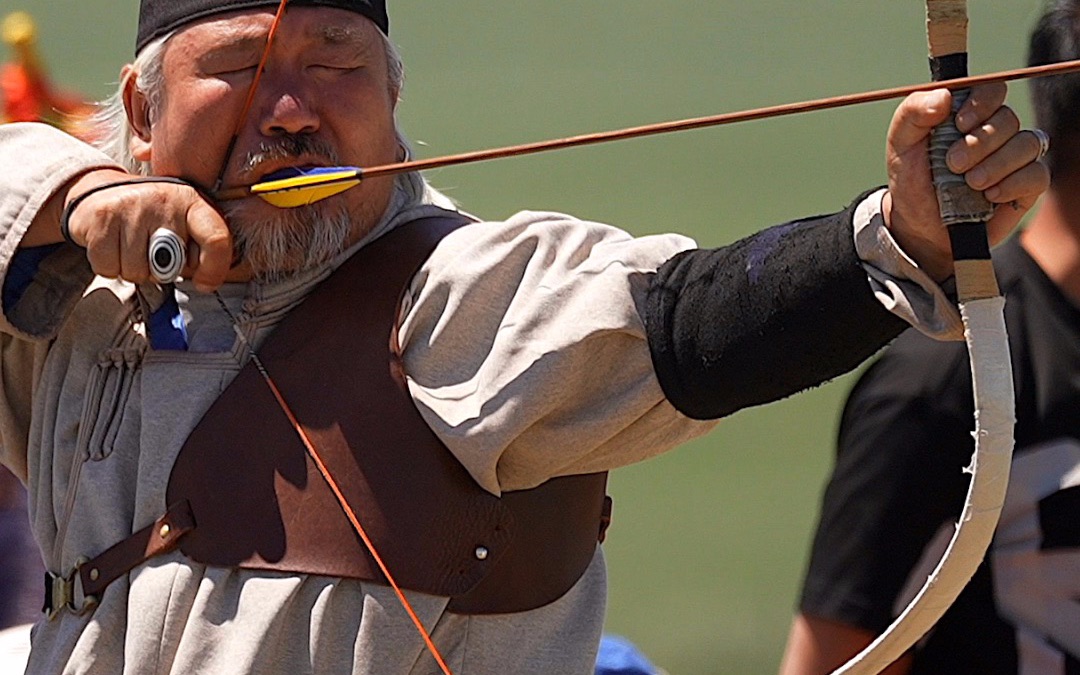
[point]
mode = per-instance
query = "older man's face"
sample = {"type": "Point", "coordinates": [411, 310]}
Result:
{"type": "Point", "coordinates": [325, 98]}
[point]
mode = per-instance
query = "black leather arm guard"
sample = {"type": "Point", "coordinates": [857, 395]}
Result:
{"type": "Point", "coordinates": [763, 318]}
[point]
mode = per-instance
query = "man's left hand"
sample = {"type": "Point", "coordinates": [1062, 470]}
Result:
{"type": "Point", "coordinates": [994, 156]}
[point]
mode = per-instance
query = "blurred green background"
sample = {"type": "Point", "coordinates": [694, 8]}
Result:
{"type": "Point", "coordinates": [709, 542]}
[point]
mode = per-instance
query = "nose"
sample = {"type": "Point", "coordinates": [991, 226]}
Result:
{"type": "Point", "coordinates": [287, 110]}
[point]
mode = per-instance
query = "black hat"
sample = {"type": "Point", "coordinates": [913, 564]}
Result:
{"type": "Point", "coordinates": [158, 17]}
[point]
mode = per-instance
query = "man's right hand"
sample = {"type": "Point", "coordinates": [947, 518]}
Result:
{"type": "Point", "coordinates": [114, 226]}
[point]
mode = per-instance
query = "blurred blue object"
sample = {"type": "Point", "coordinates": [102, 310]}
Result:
{"type": "Point", "coordinates": [618, 656]}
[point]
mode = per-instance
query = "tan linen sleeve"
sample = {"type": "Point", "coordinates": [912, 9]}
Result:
{"type": "Point", "coordinates": [897, 281]}
{"type": "Point", "coordinates": [526, 353]}
{"type": "Point", "coordinates": [38, 160]}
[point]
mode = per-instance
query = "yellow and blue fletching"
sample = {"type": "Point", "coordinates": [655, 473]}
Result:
{"type": "Point", "coordinates": [306, 186]}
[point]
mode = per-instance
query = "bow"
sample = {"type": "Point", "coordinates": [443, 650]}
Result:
{"type": "Point", "coordinates": [981, 306]}
{"type": "Point", "coordinates": [965, 213]}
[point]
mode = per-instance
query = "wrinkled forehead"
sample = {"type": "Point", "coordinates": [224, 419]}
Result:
{"type": "Point", "coordinates": [160, 17]}
{"type": "Point", "coordinates": [310, 26]}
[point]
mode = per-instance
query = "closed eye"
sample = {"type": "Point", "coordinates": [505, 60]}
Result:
{"type": "Point", "coordinates": [331, 68]}
{"type": "Point", "coordinates": [235, 70]}
{"type": "Point", "coordinates": [238, 57]}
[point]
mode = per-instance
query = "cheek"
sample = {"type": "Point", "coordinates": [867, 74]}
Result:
{"type": "Point", "coordinates": [365, 121]}
{"type": "Point", "coordinates": [191, 134]}
{"type": "Point", "coordinates": [377, 142]}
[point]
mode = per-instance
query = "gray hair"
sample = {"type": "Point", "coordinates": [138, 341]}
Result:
{"type": "Point", "coordinates": [110, 121]}
{"type": "Point", "coordinates": [115, 131]}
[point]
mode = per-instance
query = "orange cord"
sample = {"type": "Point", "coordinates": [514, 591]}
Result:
{"type": "Point", "coordinates": [262, 66]}
{"type": "Point", "coordinates": [314, 454]}
{"type": "Point", "coordinates": [250, 99]}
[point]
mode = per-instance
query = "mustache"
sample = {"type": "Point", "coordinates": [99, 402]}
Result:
{"type": "Point", "coordinates": [286, 147]}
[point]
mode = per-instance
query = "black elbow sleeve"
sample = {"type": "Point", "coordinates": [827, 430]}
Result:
{"type": "Point", "coordinates": [770, 315]}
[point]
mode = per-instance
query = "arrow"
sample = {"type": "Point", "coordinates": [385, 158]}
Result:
{"type": "Point", "coordinates": [310, 186]}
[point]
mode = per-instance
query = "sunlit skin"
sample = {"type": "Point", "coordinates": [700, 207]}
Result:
{"type": "Point", "coordinates": [993, 157]}
{"type": "Point", "coordinates": [327, 79]}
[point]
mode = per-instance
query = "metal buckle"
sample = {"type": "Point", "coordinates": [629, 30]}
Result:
{"type": "Point", "coordinates": [67, 593]}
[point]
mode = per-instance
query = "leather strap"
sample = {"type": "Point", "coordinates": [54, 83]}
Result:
{"type": "Point", "coordinates": [245, 479]}
{"type": "Point", "coordinates": [83, 587]}
{"type": "Point", "coordinates": [260, 503]}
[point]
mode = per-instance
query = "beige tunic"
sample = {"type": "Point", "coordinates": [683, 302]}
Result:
{"type": "Point", "coordinates": [525, 354]}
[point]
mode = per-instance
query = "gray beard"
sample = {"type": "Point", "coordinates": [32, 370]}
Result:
{"type": "Point", "coordinates": [291, 241]}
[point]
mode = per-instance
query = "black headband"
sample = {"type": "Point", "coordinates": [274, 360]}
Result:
{"type": "Point", "coordinates": [159, 17]}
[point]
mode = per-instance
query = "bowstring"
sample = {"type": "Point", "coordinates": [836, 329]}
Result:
{"type": "Point", "coordinates": [309, 446]}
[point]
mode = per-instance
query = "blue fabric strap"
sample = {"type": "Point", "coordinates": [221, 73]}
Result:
{"type": "Point", "coordinates": [166, 324]}
{"type": "Point", "coordinates": [24, 265]}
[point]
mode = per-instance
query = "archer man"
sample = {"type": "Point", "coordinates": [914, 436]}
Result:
{"type": "Point", "coordinates": [236, 472]}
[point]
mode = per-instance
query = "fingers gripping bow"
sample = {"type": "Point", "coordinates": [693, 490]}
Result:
{"type": "Point", "coordinates": [981, 306]}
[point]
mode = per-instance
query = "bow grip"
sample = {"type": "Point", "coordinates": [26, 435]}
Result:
{"type": "Point", "coordinates": [965, 212]}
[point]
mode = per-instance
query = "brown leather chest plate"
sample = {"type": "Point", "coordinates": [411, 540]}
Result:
{"type": "Point", "coordinates": [259, 502]}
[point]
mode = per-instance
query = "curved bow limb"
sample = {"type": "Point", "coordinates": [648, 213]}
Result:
{"type": "Point", "coordinates": [965, 212]}
{"type": "Point", "coordinates": [985, 331]}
